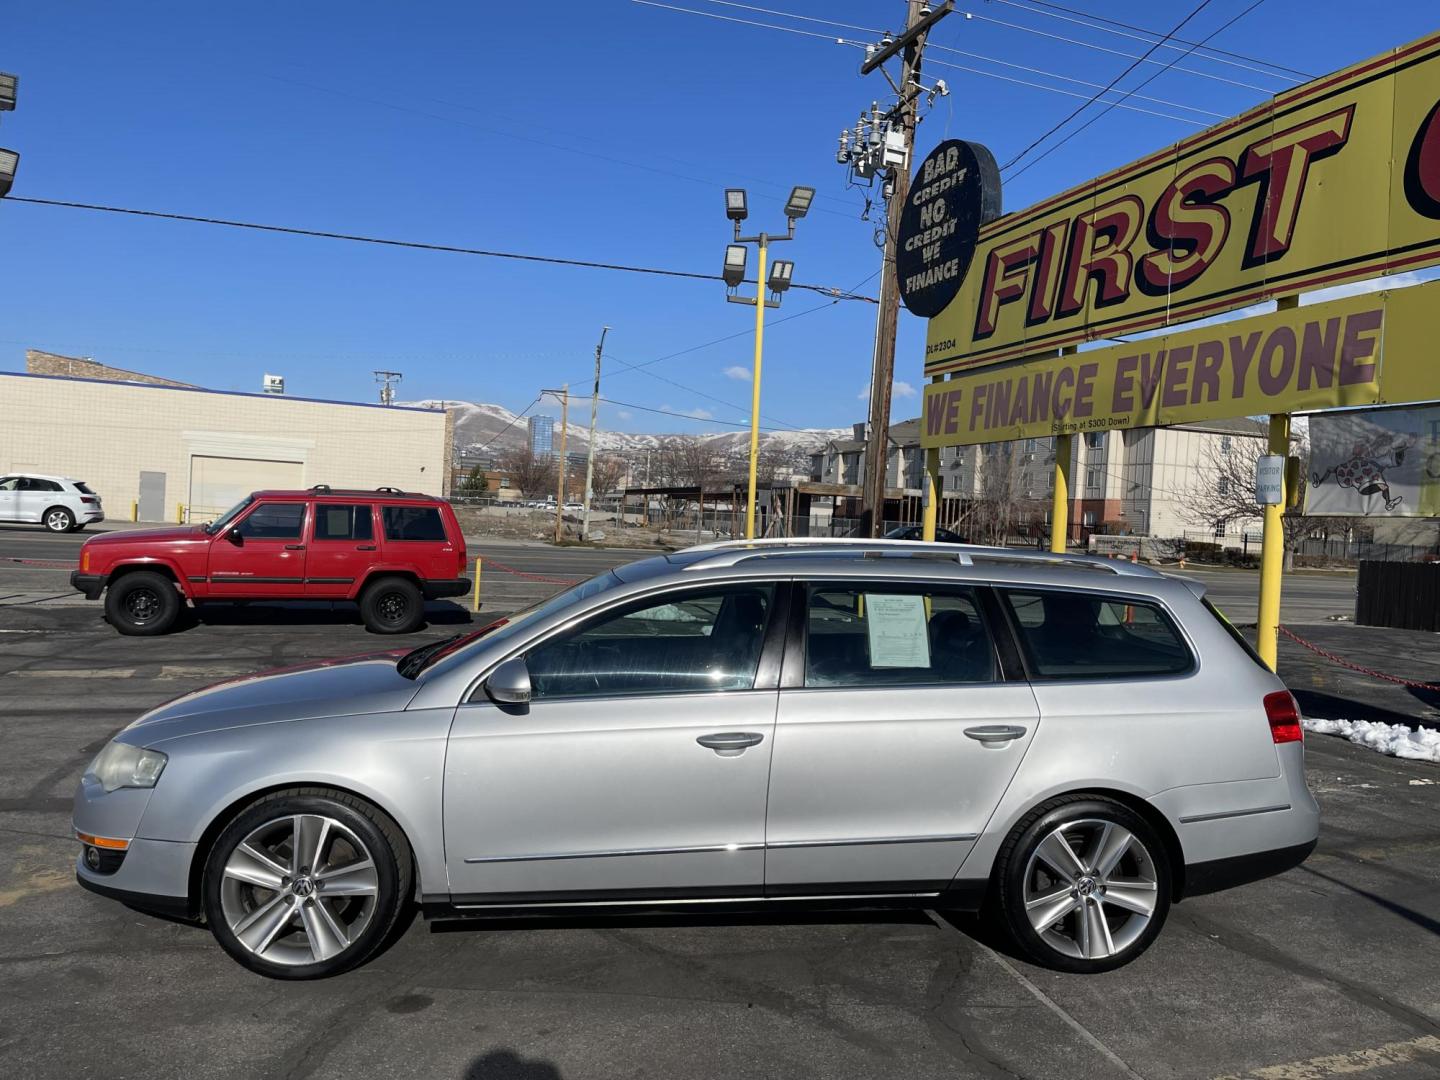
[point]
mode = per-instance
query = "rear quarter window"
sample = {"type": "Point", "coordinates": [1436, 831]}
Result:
{"type": "Point", "coordinates": [413, 523]}
{"type": "Point", "coordinates": [1077, 635]}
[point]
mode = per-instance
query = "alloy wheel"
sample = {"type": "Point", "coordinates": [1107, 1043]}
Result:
{"type": "Point", "coordinates": [1091, 888]}
{"type": "Point", "coordinates": [299, 889]}
{"type": "Point", "coordinates": [57, 521]}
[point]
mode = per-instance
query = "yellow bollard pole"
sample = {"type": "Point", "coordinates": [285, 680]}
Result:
{"type": "Point", "coordinates": [931, 493]}
{"type": "Point", "coordinates": [179, 513]}
{"type": "Point", "coordinates": [755, 393]}
{"type": "Point", "coordinates": [1060, 499]}
{"type": "Point", "coordinates": [475, 603]}
{"type": "Point", "coordinates": [135, 510]}
{"type": "Point", "coordinates": [1272, 557]}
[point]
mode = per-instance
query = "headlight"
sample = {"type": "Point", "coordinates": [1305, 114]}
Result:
{"type": "Point", "coordinates": [122, 765]}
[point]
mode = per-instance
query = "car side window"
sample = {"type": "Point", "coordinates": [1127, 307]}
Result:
{"type": "Point", "coordinates": [889, 634]}
{"type": "Point", "coordinates": [343, 522]}
{"type": "Point", "coordinates": [273, 521]}
{"type": "Point", "coordinates": [693, 642]}
{"type": "Point", "coordinates": [413, 523]}
{"type": "Point", "coordinates": [1077, 635]}
{"type": "Point", "coordinates": [10, 483]}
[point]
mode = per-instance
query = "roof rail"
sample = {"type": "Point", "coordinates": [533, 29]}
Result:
{"type": "Point", "coordinates": [730, 552]}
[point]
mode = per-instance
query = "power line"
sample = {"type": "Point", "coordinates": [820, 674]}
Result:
{"type": "Point", "coordinates": [957, 52]}
{"type": "Point", "coordinates": [415, 244]}
{"type": "Point", "coordinates": [1033, 4]}
{"type": "Point", "coordinates": [513, 421]}
{"type": "Point", "coordinates": [1111, 86]}
{"type": "Point", "coordinates": [1145, 58]}
{"type": "Point", "coordinates": [694, 390]}
{"type": "Point", "coordinates": [680, 415]}
{"type": "Point", "coordinates": [1070, 93]}
{"type": "Point", "coordinates": [1108, 105]}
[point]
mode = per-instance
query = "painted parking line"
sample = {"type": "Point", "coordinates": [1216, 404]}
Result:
{"type": "Point", "coordinates": [1356, 1061]}
{"type": "Point", "coordinates": [1086, 1035]}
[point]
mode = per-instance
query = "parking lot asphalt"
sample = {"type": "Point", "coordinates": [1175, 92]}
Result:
{"type": "Point", "coordinates": [1328, 970]}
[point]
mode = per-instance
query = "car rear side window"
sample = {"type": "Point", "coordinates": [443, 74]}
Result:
{"type": "Point", "coordinates": [885, 634]}
{"type": "Point", "coordinates": [273, 521]}
{"type": "Point", "coordinates": [1077, 635]}
{"type": "Point", "coordinates": [413, 523]}
{"type": "Point", "coordinates": [696, 642]}
{"type": "Point", "coordinates": [343, 522]}
{"type": "Point", "coordinates": [83, 488]}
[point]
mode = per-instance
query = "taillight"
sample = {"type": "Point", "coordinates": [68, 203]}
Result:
{"type": "Point", "coordinates": [89, 500]}
{"type": "Point", "coordinates": [1284, 716]}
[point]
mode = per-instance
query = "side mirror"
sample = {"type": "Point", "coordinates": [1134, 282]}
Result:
{"type": "Point", "coordinates": [509, 684]}
{"type": "Point", "coordinates": [233, 535]}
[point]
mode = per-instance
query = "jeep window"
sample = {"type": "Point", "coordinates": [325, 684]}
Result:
{"type": "Point", "coordinates": [1076, 635]}
{"type": "Point", "coordinates": [343, 522]}
{"type": "Point", "coordinates": [273, 521]}
{"type": "Point", "coordinates": [219, 524]}
{"type": "Point", "coordinates": [414, 523]}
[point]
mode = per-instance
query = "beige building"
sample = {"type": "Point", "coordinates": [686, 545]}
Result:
{"type": "Point", "coordinates": [166, 451]}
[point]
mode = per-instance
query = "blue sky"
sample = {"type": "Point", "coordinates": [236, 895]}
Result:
{"type": "Point", "coordinates": [600, 130]}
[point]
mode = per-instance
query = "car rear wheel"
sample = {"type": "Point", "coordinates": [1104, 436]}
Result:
{"type": "Point", "coordinates": [59, 520]}
{"type": "Point", "coordinates": [306, 883]}
{"type": "Point", "coordinates": [1083, 884]}
{"type": "Point", "coordinates": [392, 605]}
{"type": "Point", "coordinates": [142, 603]}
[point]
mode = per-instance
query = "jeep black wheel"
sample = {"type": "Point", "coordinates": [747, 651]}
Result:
{"type": "Point", "coordinates": [142, 603]}
{"type": "Point", "coordinates": [392, 605]}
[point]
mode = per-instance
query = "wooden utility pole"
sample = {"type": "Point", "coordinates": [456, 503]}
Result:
{"type": "Point", "coordinates": [882, 372]}
{"type": "Point", "coordinates": [564, 395]}
{"type": "Point", "coordinates": [590, 454]}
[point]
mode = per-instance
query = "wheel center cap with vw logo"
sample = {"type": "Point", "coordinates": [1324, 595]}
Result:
{"type": "Point", "coordinates": [1085, 886]}
{"type": "Point", "coordinates": [303, 886]}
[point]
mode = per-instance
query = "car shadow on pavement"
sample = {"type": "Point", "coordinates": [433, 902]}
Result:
{"type": "Point", "coordinates": [1321, 706]}
{"type": "Point", "coordinates": [1425, 922]}
{"type": "Point", "coordinates": [303, 613]}
{"type": "Point", "coordinates": [506, 1064]}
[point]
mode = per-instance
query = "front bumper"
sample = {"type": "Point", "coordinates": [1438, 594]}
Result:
{"type": "Point", "coordinates": [435, 589]}
{"type": "Point", "coordinates": [153, 874]}
{"type": "Point", "coordinates": [89, 584]}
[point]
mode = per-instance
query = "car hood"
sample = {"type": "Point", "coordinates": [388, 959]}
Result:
{"type": "Point", "coordinates": [147, 536]}
{"type": "Point", "coordinates": [345, 687]}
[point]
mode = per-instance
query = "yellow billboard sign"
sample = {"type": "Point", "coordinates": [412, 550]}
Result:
{"type": "Point", "coordinates": [1363, 350]}
{"type": "Point", "coordinates": [1337, 180]}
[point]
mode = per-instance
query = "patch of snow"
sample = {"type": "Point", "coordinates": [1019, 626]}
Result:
{"type": "Point", "coordinates": [1398, 740]}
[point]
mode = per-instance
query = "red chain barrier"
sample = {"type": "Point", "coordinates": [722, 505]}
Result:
{"type": "Point", "coordinates": [485, 560]}
{"type": "Point", "coordinates": [1355, 667]}
{"type": "Point", "coordinates": [48, 564]}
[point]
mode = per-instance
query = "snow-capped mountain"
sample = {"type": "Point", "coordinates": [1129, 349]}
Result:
{"type": "Point", "coordinates": [498, 430]}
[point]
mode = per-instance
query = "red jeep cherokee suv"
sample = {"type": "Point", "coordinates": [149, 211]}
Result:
{"type": "Point", "coordinates": [388, 550]}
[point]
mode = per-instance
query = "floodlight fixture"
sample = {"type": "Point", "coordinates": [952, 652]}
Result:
{"type": "Point", "coordinates": [781, 270]}
{"type": "Point", "coordinates": [735, 206]}
{"type": "Point", "coordinates": [9, 160]}
{"type": "Point", "coordinates": [9, 84]}
{"type": "Point", "coordinates": [798, 205]}
{"type": "Point", "coordinates": [734, 272]}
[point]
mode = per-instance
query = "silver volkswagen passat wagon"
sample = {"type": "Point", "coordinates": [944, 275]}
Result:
{"type": "Point", "coordinates": [1072, 744]}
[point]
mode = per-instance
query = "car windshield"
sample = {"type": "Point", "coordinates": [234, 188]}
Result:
{"type": "Point", "coordinates": [227, 517]}
{"type": "Point", "coordinates": [455, 651]}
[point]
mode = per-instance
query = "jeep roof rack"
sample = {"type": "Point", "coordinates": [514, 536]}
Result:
{"type": "Point", "coordinates": [730, 552]}
{"type": "Point", "coordinates": [326, 489]}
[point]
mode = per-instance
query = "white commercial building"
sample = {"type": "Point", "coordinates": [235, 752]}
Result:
{"type": "Point", "coordinates": [164, 452]}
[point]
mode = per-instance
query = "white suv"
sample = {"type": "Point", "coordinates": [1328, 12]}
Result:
{"type": "Point", "coordinates": [57, 502]}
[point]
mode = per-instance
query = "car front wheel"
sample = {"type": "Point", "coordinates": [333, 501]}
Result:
{"type": "Point", "coordinates": [305, 884]}
{"type": "Point", "coordinates": [141, 603]}
{"type": "Point", "coordinates": [59, 520]}
{"type": "Point", "coordinates": [1083, 884]}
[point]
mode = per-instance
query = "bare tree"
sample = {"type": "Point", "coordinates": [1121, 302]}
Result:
{"type": "Point", "coordinates": [1003, 506]}
{"type": "Point", "coordinates": [609, 471]}
{"type": "Point", "coordinates": [532, 475]}
{"type": "Point", "coordinates": [1222, 491]}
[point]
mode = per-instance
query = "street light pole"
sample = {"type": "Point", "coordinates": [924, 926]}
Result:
{"type": "Point", "coordinates": [590, 454]}
{"type": "Point", "coordinates": [755, 392]}
{"type": "Point", "coordinates": [780, 273]}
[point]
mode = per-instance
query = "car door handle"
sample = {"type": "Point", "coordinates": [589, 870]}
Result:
{"type": "Point", "coordinates": [294, 547]}
{"type": "Point", "coordinates": [993, 733]}
{"type": "Point", "coordinates": [730, 741]}
{"type": "Point", "coordinates": [364, 547]}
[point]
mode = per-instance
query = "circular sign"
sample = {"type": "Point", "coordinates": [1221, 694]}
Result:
{"type": "Point", "coordinates": [954, 192]}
